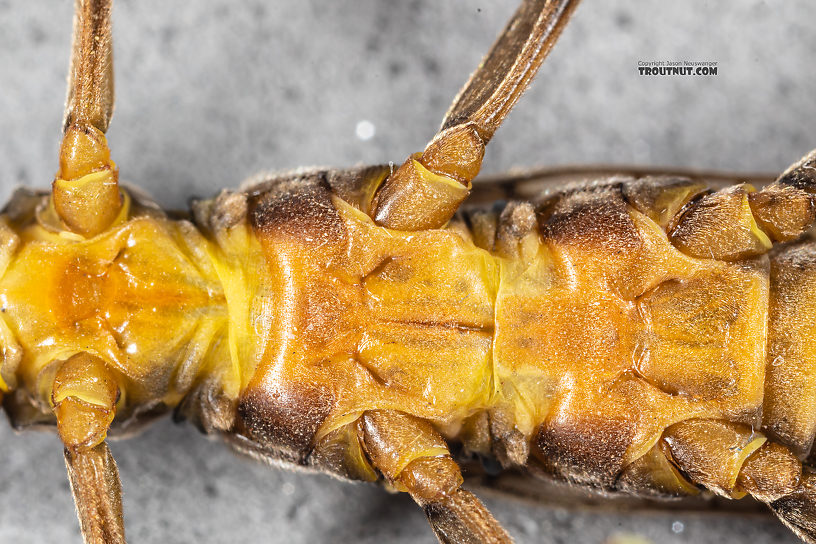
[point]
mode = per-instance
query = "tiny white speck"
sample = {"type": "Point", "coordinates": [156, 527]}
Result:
{"type": "Point", "coordinates": [287, 488]}
{"type": "Point", "coordinates": [132, 348]}
{"type": "Point", "coordinates": [365, 130]}
{"type": "Point", "coordinates": [678, 527]}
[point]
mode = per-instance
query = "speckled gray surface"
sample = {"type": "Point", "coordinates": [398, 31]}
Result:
{"type": "Point", "coordinates": [210, 92]}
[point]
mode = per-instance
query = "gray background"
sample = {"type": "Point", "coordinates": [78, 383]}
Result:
{"type": "Point", "coordinates": [212, 92]}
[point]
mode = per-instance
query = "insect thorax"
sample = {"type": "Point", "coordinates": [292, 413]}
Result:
{"type": "Point", "coordinates": [574, 333]}
{"type": "Point", "coordinates": [144, 296]}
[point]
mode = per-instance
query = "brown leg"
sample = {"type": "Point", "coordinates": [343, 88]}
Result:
{"type": "Point", "coordinates": [787, 207]}
{"type": "Point", "coordinates": [84, 396]}
{"type": "Point", "coordinates": [414, 458]}
{"type": "Point", "coordinates": [428, 188]}
{"type": "Point", "coordinates": [738, 222]}
{"type": "Point", "coordinates": [97, 494]}
{"type": "Point", "coordinates": [732, 460]}
{"type": "Point", "coordinates": [85, 193]}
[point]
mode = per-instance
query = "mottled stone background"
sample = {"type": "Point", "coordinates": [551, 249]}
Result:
{"type": "Point", "coordinates": [210, 92]}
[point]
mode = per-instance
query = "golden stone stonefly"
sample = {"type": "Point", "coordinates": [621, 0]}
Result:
{"type": "Point", "coordinates": [636, 334]}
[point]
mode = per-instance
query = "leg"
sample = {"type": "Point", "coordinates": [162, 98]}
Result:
{"type": "Point", "coordinates": [414, 458]}
{"type": "Point", "coordinates": [787, 207]}
{"type": "Point", "coordinates": [732, 460]}
{"type": "Point", "coordinates": [84, 396]}
{"type": "Point", "coordinates": [97, 494]}
{"type": "Point", "coordinates": [427, 189]}
{"type": "Point", "coordinates": [86, 194]}
{"type": "Point", "coordinates": [738, 222]}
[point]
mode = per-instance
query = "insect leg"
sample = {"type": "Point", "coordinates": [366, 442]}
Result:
{"type": "Point", "coordinates": [774, 476]}
{"type": "Point", "coordinates": [738, 222]}
{"type": "Point", "coordinates": [787, 207]}
{"type": "Point", "coordinates": [84, 396]}
{"type": "Point", "coordinates": [85, 193]}
{"type": "Point", "coordinates": [427, 189]}
{"type": "Point", "coordinates": [415, 458]}
{"type": "Point", "coordinates": [733, 461]}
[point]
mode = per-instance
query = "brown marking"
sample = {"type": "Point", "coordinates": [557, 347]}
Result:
{"type": "Point", "coordinates": [587, 451]}
{"type": "Point", "coordinates": [283, 420]}
{"type": "Point", "coordinates": [801, 175]}
{"type": "Point", "coordinates": [593, 217]}
{"type": "Point", "coordinates": [531, 184]}
{"type": "Point", "coordinates": [296, 207]}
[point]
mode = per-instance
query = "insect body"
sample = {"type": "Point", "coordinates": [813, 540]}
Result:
{"type": "Point", "coordinates": [323, 319]}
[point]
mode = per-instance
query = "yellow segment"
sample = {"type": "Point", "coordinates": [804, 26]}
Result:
{"type": "Point", "coordinates": [136, 296]}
